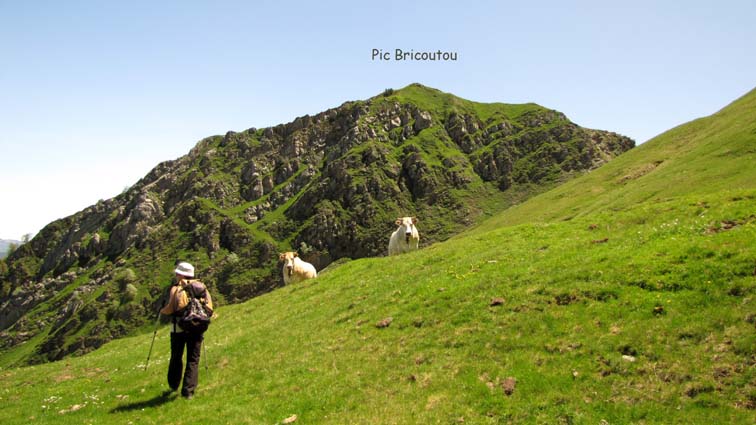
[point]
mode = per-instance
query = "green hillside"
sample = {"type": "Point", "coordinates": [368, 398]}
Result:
{"type": "Point", "coordinates": [607, 300]}
{"type": "Point", "coordinates": [703, 156]}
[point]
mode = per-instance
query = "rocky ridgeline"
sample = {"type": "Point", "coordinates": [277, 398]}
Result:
{"type": "Point", "coordinates": [329, 185]}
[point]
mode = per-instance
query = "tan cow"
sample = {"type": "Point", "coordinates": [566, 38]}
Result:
{"type": "Point", "coordinates": [294, 269]}
{"type": "Point", "coordinates": [405, 238]}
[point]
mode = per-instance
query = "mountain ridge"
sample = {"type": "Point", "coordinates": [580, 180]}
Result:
{"type": "Point", "coordinates": [329, 185]}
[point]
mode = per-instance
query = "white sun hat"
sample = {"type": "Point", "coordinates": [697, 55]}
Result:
{"type": "Point", "coordinates": [185, 269]}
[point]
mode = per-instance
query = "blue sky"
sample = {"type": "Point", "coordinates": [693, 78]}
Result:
{"type": "Point", "coordinates": [95, 94]}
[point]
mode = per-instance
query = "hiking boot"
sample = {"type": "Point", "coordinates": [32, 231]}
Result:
{"type": "Point", "coordinates": [188, 396]}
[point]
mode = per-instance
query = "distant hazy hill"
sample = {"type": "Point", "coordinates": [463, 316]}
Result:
{"type": "Point", "coordinates": [329, 185]}
{"type": "Point", "coordinates": [5, 245]}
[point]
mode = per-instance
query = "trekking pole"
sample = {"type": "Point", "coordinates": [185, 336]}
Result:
{"type": "Point", "coordinates": [204, 354]}
{"type": "Point", "coordinates": [154, 334]}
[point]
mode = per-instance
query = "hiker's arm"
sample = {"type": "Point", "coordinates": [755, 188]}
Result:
{"type": "Point", "coordinates": [170, 307]}
{"type": "Point", "coordinates": [165, 296]}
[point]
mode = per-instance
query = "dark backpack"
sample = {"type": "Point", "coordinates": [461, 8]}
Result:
{"type": "Point", "coordinates": [195, 317]}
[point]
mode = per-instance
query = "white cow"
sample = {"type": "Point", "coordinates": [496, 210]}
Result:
{"type": "Point", "coordinates": [294, 269]}
{"type": "Point", "coordinates": [405, 238]}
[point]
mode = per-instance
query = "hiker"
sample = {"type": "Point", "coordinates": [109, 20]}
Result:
{"type": "Point", "coordinates": [184, 288]}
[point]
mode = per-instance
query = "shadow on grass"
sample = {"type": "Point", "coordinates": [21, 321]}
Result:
{"type": "Point", "coordinates": [156, 401]}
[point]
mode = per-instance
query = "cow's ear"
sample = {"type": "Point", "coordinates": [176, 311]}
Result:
{"type": "Point", "coordinates": [296, 254]}
{"type": "Point", "coordinates": [281, 256]}
{"type": "Point", "coordinates": [398, 221]}
{"type": "Point", "coordinates": [414, 220]}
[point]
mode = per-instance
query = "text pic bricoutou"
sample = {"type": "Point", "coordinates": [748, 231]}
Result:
{"type": "Point", "coordinates": [412, 55]}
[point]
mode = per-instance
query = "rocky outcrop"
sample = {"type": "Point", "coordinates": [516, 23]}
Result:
{"type": "Point", "coordinates": [463, 130]}
{"type": "Point", "coordinates": [29, 295]}
{"type": "Point", "coordinates": [135, 223]}
{"type": "Point", "coordinates": [233, 237]}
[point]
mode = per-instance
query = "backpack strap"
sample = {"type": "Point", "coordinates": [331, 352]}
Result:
{"type": "Point", "coordinates": [196, 289]}
{"type": "Point", "coordinates": [191, 289]}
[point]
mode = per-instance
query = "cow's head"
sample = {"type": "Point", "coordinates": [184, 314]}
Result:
{"type": "Point", "coordinates": [288, 259]}
{"type": "Point", "coordinates": [408, 223]}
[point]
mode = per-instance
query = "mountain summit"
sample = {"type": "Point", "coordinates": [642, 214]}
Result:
{"type": "Point", "coordinates": [329, 185]}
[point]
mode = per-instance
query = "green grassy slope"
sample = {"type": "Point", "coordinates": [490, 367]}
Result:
{"type": "Point", "coordinates": [441, 104]}
{"type": "Point", "coordinates": [639, 309]}
{"type": "Point", "coordinates": [670, 287]}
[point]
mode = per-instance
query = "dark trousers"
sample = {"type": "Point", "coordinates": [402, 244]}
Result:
{"type": "Point", "coordinates": [193, 344]}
